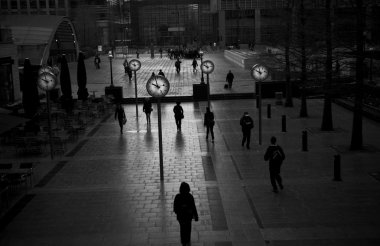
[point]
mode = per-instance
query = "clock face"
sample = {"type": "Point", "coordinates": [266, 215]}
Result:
{"type": "Point", "coordinates": [134, 65]}
{"type": "Point", "coordinates": [207, 66]}
{"type": "Point", "coordinates": [259, 72]}
{"type": "Point", "coordinates": [157, 86]}
{"type": "Point", "coordinates": [47, 81]}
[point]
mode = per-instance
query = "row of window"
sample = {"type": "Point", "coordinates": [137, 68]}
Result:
{"type": "Point", "coordinates": [33, 4]}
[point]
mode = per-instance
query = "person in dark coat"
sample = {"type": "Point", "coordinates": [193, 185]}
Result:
{"type": "Point", "coordinates": [275, 155]}
{"type": "Point", "coordinates": [178, 115]}
{"type": "Point", "coordinates": [147, 108]}
{"type": "Point", "coordinates": [97, 62]}
{"type": "Point", "coordinates": [161, 73]}
{"type": "Point", "coordinates": [178, 65]}
{"type": "Point", "coordinates": [194, 64]}
{"type": "Point", "coordinates": [120, 115]}
{"type": "Point", "coordinates": [186, 211]}
{"type": "Point", "coordinates": [230, 79]}
{"type": "Point", "coordinates": [246, 123]}
{"type": "Point", "coordinates": [209, 123]}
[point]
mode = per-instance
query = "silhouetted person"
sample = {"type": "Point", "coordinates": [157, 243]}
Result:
{"type": "Point", "coordinates": [194, 64]}
{"type": "Point", "coordinates": [125, 64]}
{"type": "Point", "coordinates": [186, 211]}
{"type": "Point", "coordinates": [153, 74]}
{"type": "Point", "coordinates": [246, 123]}
{"type": "Point", "coordinates": [178, 115]}
{"type": "Point", "coordinates": [209, 123]}
{"type": "Point", "coordinates": [230, 79]}
{"type": "Point", "coordinates": [147, 108]}
{"type": "Point", "coordinates": [178, 65]}
{"type": "Point", "coordinates": [137, 54]}
{"type": "Point", "coordinates": [120, 115]}
{"type": "Point", "coordinates": [97, 62]}
{"type": "Point", "coordinates": [160, 50]}
{"type": "Point", "coordinates": [161, 73]}
{"type": "Point", "coordinates": [276, 156]}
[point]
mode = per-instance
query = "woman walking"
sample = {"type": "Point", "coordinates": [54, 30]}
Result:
{"type": "Point", "coordinates": [186, 211]}
{"type": "Point", "coordinates": [120, 115]}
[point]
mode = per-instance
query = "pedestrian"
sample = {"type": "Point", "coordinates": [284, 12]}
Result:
{"type": "Point", "coordinates": [275, 155]}
{"type": "Point", "coordinates": [209, 123]}
{"type": "Point", "coordinates": [160, 50]}
{"type": "Point", "coordinates": [195, 64]}
{"type": "Point", "coordinates": [178, 65]}
{"type": "Point", "coordinates": [97, 61]}
{"type": "Point", "coordinates": [153, 74]}
{"type": "Point", "coordinates": [161, 73]}
{"type": "Point", "coordinates": [147, 108]}
{"type": "Point", "coordinates": [125, 65]}
{"type": "Point", "coordinates": [137, 54]}
{"type": "Point", "coordinates": [230, 79]}
{"type": "Point", "coordinates": [120, 115]}
{"type": "Point", "coordinates": [246, 123]}
{"type": "Point", "coordinates": [186, 211]}
{"type": "Point", "coordinates": [178, 115]}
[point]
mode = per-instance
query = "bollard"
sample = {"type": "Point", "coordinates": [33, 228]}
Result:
{"type": "Point", "coordinates": [269, 115]}
{"type": "Point", "coordinates": [337, 168]}
{"type": "Point", "coordinates": [304, 141]}
{"type": "Point", "coordinates": [283, 123]}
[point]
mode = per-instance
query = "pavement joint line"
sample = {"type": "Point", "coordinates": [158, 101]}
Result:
{"type": "Point", "coordinates": [236, 167]}
{"type": "Point", "coordinates": [77, 148]}
{"type": "Point", "coordinates": [225, 142]}
{"type": "Point", "coordinates": [51, 173]}
{"type": "Point", "coordinates": [253, 208]}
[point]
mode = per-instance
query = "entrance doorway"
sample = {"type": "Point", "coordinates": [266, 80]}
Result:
{"type": "Point", "coordinates": [6, 81]}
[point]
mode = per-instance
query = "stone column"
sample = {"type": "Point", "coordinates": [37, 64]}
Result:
{"type": "Point", "coordinates": [257, 26]}
{"type": "Point", "coordinates": [222, 28]}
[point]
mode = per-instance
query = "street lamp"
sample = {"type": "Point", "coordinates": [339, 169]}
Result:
{"type": "Point", "coordinates": [202, 78]}
{"type": "Point", "coordinates": [370, 64]}
{"type": "Point", "coordinates": [110, 57]}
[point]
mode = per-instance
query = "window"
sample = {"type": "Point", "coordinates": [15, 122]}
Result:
{"type": "Point", "coordinates": [33, 4]}
{"type": "Point", "coordinates": [61, 3]}
{"type": "Point", "coordinates": [52, 4]}
{"type": "Point", "coordinates": [14, 4]}
{"type": "Point", "coordinates": [42, 4]}
{"type": "Point", "coordinates": [4, 4]}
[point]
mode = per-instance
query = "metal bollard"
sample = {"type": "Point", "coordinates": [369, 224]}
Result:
{"type": "Point", "coordinates": [269, 113]}
{"type": "Point", "coordinates": [304, 141]}
{"type": "Point", "coordinates": [283, 123]}
{"type": "Point", "coordinates": [337, 168]}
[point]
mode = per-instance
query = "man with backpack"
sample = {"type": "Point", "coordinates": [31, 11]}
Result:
{"type": "Point", "coordinates": [275, 155]}
{"type": "Point", "coordinates": [178, 65]}
{"type": "Point", "coordinates": [246, 123]}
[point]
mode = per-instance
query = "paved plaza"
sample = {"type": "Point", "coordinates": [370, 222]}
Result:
{"type": "Point", "coordinates": [106, 189]}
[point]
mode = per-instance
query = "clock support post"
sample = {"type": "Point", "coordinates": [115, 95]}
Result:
{"type": "Point", "coordinates": [208, 91]}
{"type": "Point", "coordinates": [137, 110]}
{"type": "Point", "coordinates": [49, 124]}
{"type": "Point", "coordinates": [160, 139]}
{"type": "Point", "coordinates": [260, 120]}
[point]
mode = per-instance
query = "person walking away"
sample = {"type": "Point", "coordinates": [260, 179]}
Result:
{"type": "Point", "coordinates": [147, 108]}
{"type": "Point", "coordinates": [137, 54]}
{"type": "Point", "coordinates": [120, 115]}
{"type": "Point", "coordinates": [129, 72]}
{"type": "Point", "coordinates": [178, 65]}
{"type": "Point", "coordinates": [186, 211]}
{"type": "Point", "coordinates": [230, 79]}
{"type": "Point", "coordinates": [209, 123]}
{"type": "Point", "coordinates": [160, 50]}
{"type": "Point", "coordinates": [194, 64]}
{"type": "Point", "coordinates": [126, 65]}
{"type": "Point", "coordinates": [161, 73]}
{"type": "Point", "coordinates": [246, 123]}
{"type": "Point", "coordinates": [97, 62]}
{"type": "Point", "coordinates": [178, 115]}
{"type": "Point", "coordinates": [275, 155]}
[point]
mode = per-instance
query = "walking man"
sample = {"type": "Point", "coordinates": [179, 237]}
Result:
{"type": "Point", "coordinates": [97, 61]}
{"type": "Point", "coordinates": [246, 123]}
{"type": "Point", "coordinates": [120, 115]}
{"type": "Point", "coordinates": [230, 79]}
{"type": "Point", "coordinates": [161, 73]}
{"type": "Point", "coordinates": [209, 123]}
{"type": "Point", "coordinates": [186, 211]}
{"type": "Point", "coordinates": [178, 115]}
{"type": "Point", "coordinates": [275, 155]}
{"type": "Point", "coordinates": [147, 108]}
{"type": "Point", "coordinates": [178, 65]}
{"type": "Point", "coordinates": [194, 64]}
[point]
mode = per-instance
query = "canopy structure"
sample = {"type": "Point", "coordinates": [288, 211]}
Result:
{"type": "Point", "coordinates": [39, 37]}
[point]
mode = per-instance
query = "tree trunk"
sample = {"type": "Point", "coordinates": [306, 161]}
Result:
{"type": "Point", "coordinates": [357, 126]}
{"type": "Point", "coordinates": [327, 122]}
{"type": "Point", "coordinates": [303, 111]}
{"type": "Point", "coordinates": [289, 96]}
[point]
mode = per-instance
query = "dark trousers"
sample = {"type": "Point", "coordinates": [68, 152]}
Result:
{"type": "Point", "coordinates": [210, 129]}
{"type": "Point", "coordinates": [185, 231]}
{"type": "Point", "coordinates": [121, 124]}
{"type": "Point", "coordinates": [178, 122]}
{"type": "Point", "coordinates": [274, 172]}
{"type": "Point", "coordinates": [246, 137]}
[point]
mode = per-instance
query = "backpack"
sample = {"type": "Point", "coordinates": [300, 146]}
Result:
{"type": "Point", "coordinates": [247, 123]}
{"type": "Point", "coordinates": [277, 155]}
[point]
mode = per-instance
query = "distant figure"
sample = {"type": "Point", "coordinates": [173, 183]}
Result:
{"type": "Point", "coordinates": [209, 123]}
{"type": "Point", "coordinates": [147, 108]}
{"type": "Point", "coordinates": [97, 61]}
{"type": "Point", "coordinates": [129, 72]}
{"type": "Point", "coordinates": [125, 65]}
{"type": "Point", "coordinates": [137, 54]}
{"type": "Point", "coordinates": [276, 156]}
{"type": "Point", "coordinates": [186, 211]}
{"type": "Point", "coordinates": [178, 115]}
{"type": "Point", "coordinates": [230, 79]}
{"type": "Point", "coordinates": [120, 115]}
{"type": "Point", "coordinates": [178, 65]}
{"type": "Point", "coordinates": [194, 64]}
{"type": "Point", "coordinates": [161, 73]}
{"type": "Point", "coordinates": [246, 123]}
{"type": "Point", "coordinates": [153, 74]}
{"type": "Point", "coordinates": [160, 50]}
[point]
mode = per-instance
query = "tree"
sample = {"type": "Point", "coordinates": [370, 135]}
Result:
{"type": "Point", "coordinates": [81, 78]}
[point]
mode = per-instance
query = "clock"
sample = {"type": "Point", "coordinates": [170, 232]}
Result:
{"type": "Point", "coordinates": [47, 81]}
{"type": "Point", "coordinates": [207, 66]}
{"type": "Point", "coordinates": [134, 64]}
{"type": "Point", "coordinates": [157, 86]}
{"type": "Point", "coordinates": [45, 69]}
{"type": "Point", "coordinates": [259, 72]}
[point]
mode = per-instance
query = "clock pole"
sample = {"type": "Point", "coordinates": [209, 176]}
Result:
{"type": "Point", "coordinates": [160, 139]}
{"type": "Point", "coordinates": [49, 124]}
{"type": "Point", "coordinates": [137, 110]}
{"type": "Point", "coordinates": [208, 91]}
{"type": "Point", "coordinates": [260, 125]}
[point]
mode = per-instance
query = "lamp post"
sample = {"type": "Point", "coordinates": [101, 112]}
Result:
{"type": "Point", "coordinates": [202, 78]}
{"type": "Point", "coordinates": [370, 64]}
{"type": "Point", "coordinates": [110, 57]}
